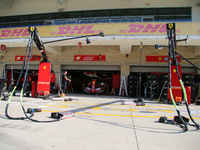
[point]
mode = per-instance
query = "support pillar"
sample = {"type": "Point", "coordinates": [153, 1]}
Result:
{"type": "Point", "coordinates": [1, 71]}
{"type": "Point", "coordinates": [57, 69]}
{"type": "Point", "coordinates": [125, 70]}
{"type": "Point", "coordinates": [197, 53]}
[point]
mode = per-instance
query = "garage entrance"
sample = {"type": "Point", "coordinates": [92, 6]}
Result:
{"type": "Point", "coordinates": [105, 76]}
{"type": "Point", "coordinates": [32, 75]}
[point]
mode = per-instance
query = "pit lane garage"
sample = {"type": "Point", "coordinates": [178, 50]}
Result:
{"type": "Point", "coordinates": [93, 79]}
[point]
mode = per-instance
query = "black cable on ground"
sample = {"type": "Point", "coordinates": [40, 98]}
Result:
{"type": "Point", "coordinates": [17, 118]}
{"type": "Point", "coordinates": [6, 109]}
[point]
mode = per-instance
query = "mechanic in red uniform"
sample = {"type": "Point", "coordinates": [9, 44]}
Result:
{"type": "Point", "coordinates": [52, 81]}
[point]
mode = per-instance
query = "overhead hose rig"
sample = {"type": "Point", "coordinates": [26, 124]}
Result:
{"type": "Point", "coordinates": [171, 34]}
{"type": "Point", "coordinates": [44, 65]}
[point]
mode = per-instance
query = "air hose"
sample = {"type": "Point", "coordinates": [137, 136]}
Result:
{"type": "Point", "coordinates": [182, 86]}
{"type": "Point", "coordinates": [25, 77]}
{"type": "Point", "coordinates": [21, 93]}
{"type": "Point", "coordinates": [185, 128]}
{"type": "Point", "coordinates": [23, 85]}
{"type": "Point", "coordinates": [9, 99]}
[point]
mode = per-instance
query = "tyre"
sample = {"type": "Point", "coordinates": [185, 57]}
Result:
{"type": "Point", "coordinates": [197, 78]}
{"type": "Point", "coordinates": [188, 83]}
{"type": "Point", "coordinates": [162, 82]}
{"type": "Point", "coordinates": [165, 76]}
{"type": "Point", "coordinates": [151, 77]}
{"type": "Point", "coordinates": [132, 82]}
{"type": "Point", "coordinates": [132, 77]}
{"type": "Point", "coordinates": [187, 77]}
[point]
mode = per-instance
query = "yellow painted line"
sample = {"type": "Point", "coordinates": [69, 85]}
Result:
{"type": "Point", "coordinates": [125, 109]}
{"type": "Point", "coordinates": [93, 104]}
{"type": "Point", "coordinates": [114, 115]}
{"type": "Point", "coordinates": [169, 111]}
{"type": "Point", "coordinates": [115, 105]}
{"type": "Point", "coordinates": [160, 106]}
{"type": "Point", "coordinates": [60, 106]}
{"type": "Point", "coordinates": [98, 108]}
{"type": "Point", "coordinates": [123, 115]}
{"type": "Point", "coordinates": [94, 108]}
{"type": "Point", "coordinates": [50, 111]}
{"type": "Point", "coordinates": [63, 106]}
{"type": "Point", "coordinates": [52, 105]}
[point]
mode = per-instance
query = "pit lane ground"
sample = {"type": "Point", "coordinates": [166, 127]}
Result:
{"type": "Point", "coordinates": [101, 123]}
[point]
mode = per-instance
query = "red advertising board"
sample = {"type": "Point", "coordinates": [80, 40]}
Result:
{"type": "Point", "coordinates": [33, 58]}
{"type": "Point", "coordinates": [160, 58]}
{"type": "Point", "coordinates": [89, 57]}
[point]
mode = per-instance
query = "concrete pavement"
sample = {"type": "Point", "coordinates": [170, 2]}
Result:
{"type": "Point", "coordinates": [101, 123]}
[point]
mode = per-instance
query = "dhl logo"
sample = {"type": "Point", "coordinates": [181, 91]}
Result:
{"type": "Point", "coordinates": [14, 33]}
{"type": "Point", "coordinates": [149, 28]}
{"type": "Point", "coordinates": [84, 29]}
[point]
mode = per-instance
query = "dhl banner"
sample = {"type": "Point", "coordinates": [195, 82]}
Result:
{"type": "Point", "coordinates": [144, 28]}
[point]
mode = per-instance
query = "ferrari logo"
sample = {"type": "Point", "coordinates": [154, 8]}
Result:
{"type": "Point", "coordinates": [32, 29]}
{"type": "Point", "coordinates": [159, 58]}
{"type": "Point", "coordinates": [171, 26]}
{"type": "Point", "coordinates": [44, 67]}
{"type": "Point", "coordinates": [174, 70]}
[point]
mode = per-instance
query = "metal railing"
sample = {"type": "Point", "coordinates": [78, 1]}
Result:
{"type": "Point", "coordinates": [96, 20]}
{"type": "Point", "coordinates": [93, 20]}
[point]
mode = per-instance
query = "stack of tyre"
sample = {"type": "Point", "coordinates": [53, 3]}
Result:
{"type": "Point", "coordinates": [163, 85]}
{"type": "Point", "coordinates": [197, 78]}
{"type": "Point", "coordinates": [188, 80]}
{"type": "Point", "coordinates": [132, 85]}
{"type": "Point", "coordinates": [151, 78]}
